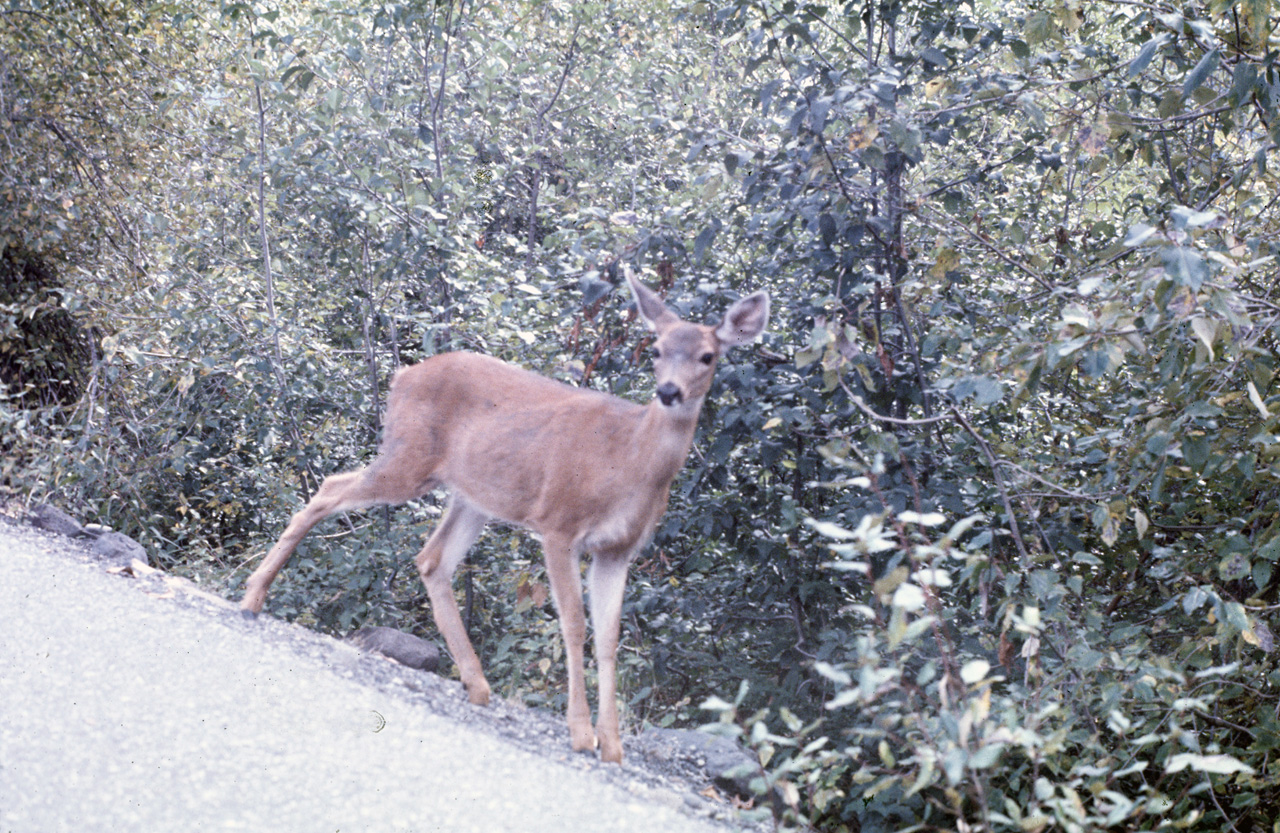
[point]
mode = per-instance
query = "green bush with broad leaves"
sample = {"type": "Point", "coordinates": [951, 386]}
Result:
{"type": "Point", "coordinates": [970, 702]}
{"type": "Point", "coordinates": [1022, 262]}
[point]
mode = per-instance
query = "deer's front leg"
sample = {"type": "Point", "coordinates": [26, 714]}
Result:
{"type": "Point", "coordinates": [608, 581]}
{"type": "Point", "coordinates": [566, 589]}
{"type": "Point", "coordinates": [437, 562]}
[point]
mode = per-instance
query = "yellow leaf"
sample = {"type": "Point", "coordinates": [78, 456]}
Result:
{"type": "Point", "coordinates": [947, 259]}
{"type": "Point", "coordinates": [980, 706]}
{"type": "Point", "coordinates": [1070, 16]}
{"type": "Point", "coordinates": [1093, 139]}
{"type": "Point", "coordinates": [885, 585]}
{"type": "Point", "coordinates": [790, 794]}
{"type": "Point", "coordinates": [863, 135]}
{"type": "Point", "coordinates": [1034, 823]}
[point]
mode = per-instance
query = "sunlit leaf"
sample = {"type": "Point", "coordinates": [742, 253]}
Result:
{"type": "Point", "coordinates": [908, 597]}
{"type": "Point", "coordinates": [1256, 399]}
{"type": "Point", "coordinates": [974, 671]}
{"type": "Point", "coordinates": [1138, 234]}
{"type": "Point", "coordinates": [1216, 764]}
{"type": "Point", "coordinates": [1206, 331]}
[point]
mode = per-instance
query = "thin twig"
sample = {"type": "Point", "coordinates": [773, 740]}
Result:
{"type": "Point", "coordinates": [995, 470]}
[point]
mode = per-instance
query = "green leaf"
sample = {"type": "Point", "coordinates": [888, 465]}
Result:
{"type": "Point", "coordinates": [593, 289]}
{"type": "Point", "coordinates": [1185, 266]}
{"type": "Point", "coordinates": [1146, 53]}
{"type": "Point", "coordinates": [1194, 599]}
{"type": "Point", "coordinates": [832, 673]}
{"type": "Point", "coordinates": [984, 390]}
{"type": "Point", "coordinates": [1261, 574]}
{"type": "Point", "coordinates": [1101, 360]}
{"type": "Point", "coordinates": [827, 228]}
{"type": "Point", "coordinates": [988, 391]}
{"type": "Point", "coordinates": [1156, 494]}
{"type": "Point", "coordinates": [927, 775]}
{"type": "Point", "coordinates": [804, 358]}
{"type": "Point", "coordinates": [933, 56]}
{"type": "Point", "coordinates": [1234, 567]}
{"type": "Point", "coordinates": [1243, 81]}
{"type": "Point", "coordinates": [830, 530]}
{"type": "Point", "coordinates": [1200, 72]}
{"type": "Point", "coordinates": [1195, 450]}
{"type": "Point", "coordinates": [986, 757]}
{"type": "Point", "coordinates": [918, 627]}
{"type": "Point", "coordinates": [704, 239]}
{"type": "Point", "coordinates": [1206, 331]}
{"type": "Point", "coordinates": [1039, 27]}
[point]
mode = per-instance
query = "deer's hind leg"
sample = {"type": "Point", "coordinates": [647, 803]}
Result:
{"type": "Point", "coordinates": [377, 484]}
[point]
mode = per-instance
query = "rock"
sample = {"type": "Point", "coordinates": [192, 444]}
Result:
{"type": "Point", "coordinates": [402, 647]}
{"type": "Point", "coordinates": [52, 519]}
{"type": "Point", "coordinates": [119, 550]}
{"type": "Point", "coordinates": [729, 765]}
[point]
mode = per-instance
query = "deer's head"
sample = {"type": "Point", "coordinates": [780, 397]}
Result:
{"type": "Point", "coordinates": [684, 354]}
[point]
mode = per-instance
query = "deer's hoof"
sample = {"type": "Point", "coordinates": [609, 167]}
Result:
{"type": "Point", "coordinates": [478, 693]}
{"type": "Point", "coordinates": [583, 741]}
{"type": "Point", "coordinates": [611, 750]}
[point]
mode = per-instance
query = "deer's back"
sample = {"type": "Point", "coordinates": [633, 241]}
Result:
{"type": "Point", "coordinates": [450, 386]}
{"type": "Point", "coordinates": [525, 448]}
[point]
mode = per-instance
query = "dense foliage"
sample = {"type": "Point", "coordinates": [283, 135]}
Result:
{"type": "Point", "coordinates": [984, 535]}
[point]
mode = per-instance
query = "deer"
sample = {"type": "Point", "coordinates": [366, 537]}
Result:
{"type": "Point", "coordinates": [587, 472]}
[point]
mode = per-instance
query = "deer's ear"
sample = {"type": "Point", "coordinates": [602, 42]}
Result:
{"type": "Point", "coordinates": [652, 310]}
{"type": "Point", "coordinates": [745, 320]}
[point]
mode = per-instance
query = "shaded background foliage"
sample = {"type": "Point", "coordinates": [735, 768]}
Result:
{"type": "Point", "coordinates": [983, 533]}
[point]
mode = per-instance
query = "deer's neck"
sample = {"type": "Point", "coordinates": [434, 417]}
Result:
{"type": "Point", "coordinates": [665, 437]}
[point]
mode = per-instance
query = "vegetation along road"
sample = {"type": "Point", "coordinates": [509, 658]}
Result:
{"type": "Point", "coordinates": [982, 533]}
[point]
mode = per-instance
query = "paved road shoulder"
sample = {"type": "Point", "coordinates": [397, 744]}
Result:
{"type": "Point", "coordinates": [133, 706]}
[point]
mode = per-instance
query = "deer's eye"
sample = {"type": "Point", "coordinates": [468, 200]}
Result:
{"type": "Point", "coordinates": [707, 358]}
{"type": "Point", "coordinates": [657, 354]}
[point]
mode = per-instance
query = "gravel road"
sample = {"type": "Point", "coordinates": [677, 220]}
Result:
{"type": "Point", "coordinates": [140, 704]}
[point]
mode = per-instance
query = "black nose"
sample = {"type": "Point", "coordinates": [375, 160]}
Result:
{"type": "Point", "coordinates": [669, 394]}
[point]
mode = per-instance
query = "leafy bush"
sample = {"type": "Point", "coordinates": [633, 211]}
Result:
{"type": "Point", "coordinates": [1022, 261]}
{"type": "Point", "coordinates": [982, 696]}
